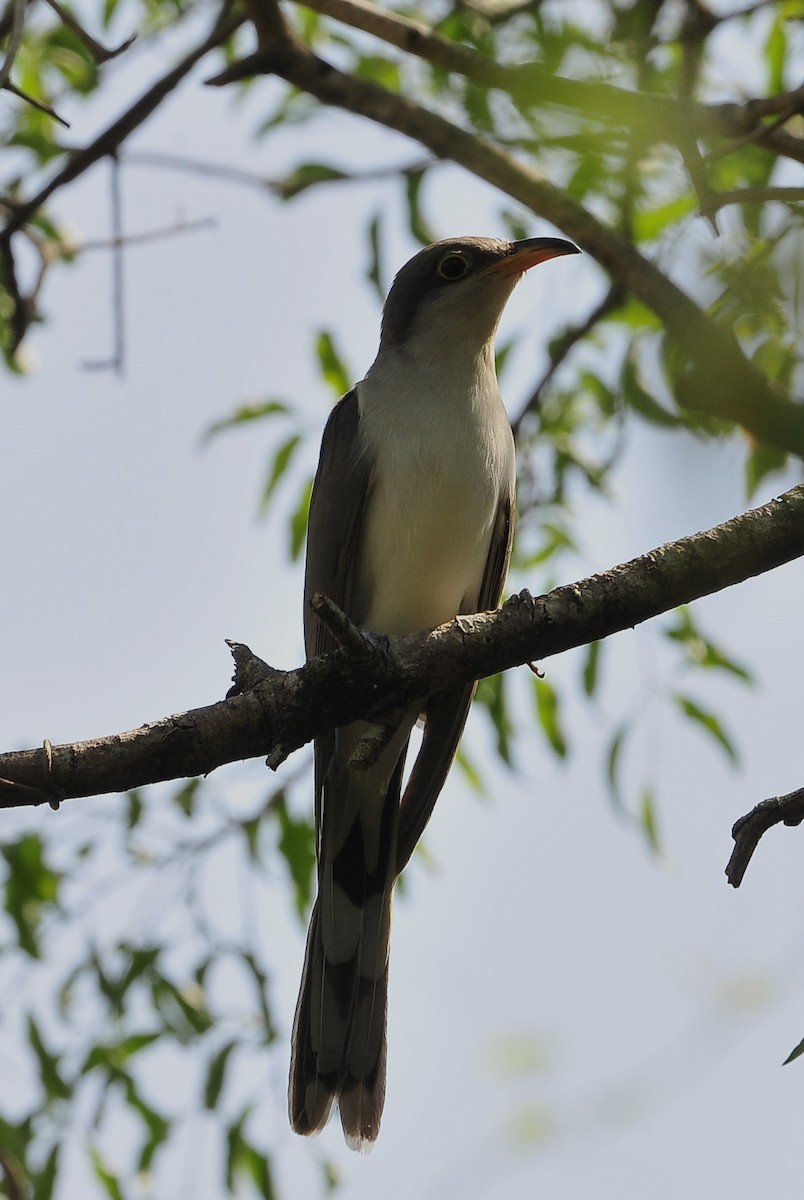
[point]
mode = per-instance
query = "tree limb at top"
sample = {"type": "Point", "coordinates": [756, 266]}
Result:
{"type": "Point", "coordinates": [280, 711]}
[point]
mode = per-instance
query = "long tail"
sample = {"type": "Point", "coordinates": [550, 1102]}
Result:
{"type": "Point", "coordinates": [339, 1047]}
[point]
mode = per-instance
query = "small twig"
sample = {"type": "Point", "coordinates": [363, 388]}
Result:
{"type": "Point", "coordinates": [756, 195]}
{"type": "Point", "coordinates": [100, 53]}
{"type": "Point", "coordinates": [15, 36]}
{"type": "Point", "coordinates": [749, 829]}
{"type": "Point", "coordinates": [357, 644]}
{"type": "Point", "coordinates": [136, 239]}
{"type": "Point", "coordinates": [284, 188]}
{"type": "Point", "coordinates": [32, 100]}
{"type": "Point", "coordinates": [789, 105]}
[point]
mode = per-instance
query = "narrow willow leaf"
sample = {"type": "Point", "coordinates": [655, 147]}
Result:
{"type": "Point", "coordinates": [591, 668]}
{"type": "Point", "coordinates": [298, 521]}
{"type": "Point", "coordinates": [332, 367]}
{"type": "Point", "coordinates": [244, 415]}
{"type": "Point", "coordinates": [795, 1053]}
{"type": "Point", "coordinates": [547, 710]}
{"type": "Point", "coordinates": [282, 460]}
{"type": "Point", "coordinates": [647, 819]}
{"type": "Point", "coordinates": [708, 722]}
{"type": "Point", "coordinates": [216, 1074]}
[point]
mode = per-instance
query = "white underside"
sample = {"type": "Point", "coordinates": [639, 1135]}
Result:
{"type": "Point", "coordinates": [442, 453]}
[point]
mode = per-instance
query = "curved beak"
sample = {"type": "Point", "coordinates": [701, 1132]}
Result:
{"type": "Point", "coordinates": [530, 252]}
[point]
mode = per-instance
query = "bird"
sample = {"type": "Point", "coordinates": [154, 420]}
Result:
{"type": "Point", "coordinates": [411, 523]}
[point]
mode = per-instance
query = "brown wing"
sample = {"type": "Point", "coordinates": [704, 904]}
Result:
{"type": "Point", "coordinates": [337, 506]}
{"type": "Point", "coordinates": [446, 712]}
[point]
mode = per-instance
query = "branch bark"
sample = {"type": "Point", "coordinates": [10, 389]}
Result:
{"type": "Point", "coordinates": [275, 712]}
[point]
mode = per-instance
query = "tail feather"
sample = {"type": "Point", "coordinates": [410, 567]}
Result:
{"type": "Point", "coordinates": [339, 1048]}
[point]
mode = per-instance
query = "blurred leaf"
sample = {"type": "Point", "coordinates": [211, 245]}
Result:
{"type": "Point", "coordinates": [184, 798]}
{"type": "Point", "coordinates": [762, 462]}
{"type": "Point", "coordinates": [639, 398]}
{"type": "Point", "coordinates": [647, 819]}
{"type": "Point", "coordinates": [246, 414]}
{"type": "Point", "coordinates": [649, 224]}
{"type": "Point", "coordinates": [548, 712]}
{"type": "Point", "coordinates": [297, 847]}
{"type": "Point", "coordinates": [305, 176]}
{"type": "Point", "coordinates": [332, 366]}
{"type": "Point", "coordinates": [470, 771]}
{"type": "Point", "coordinates": [613, 765]}
{"type": "Point", "coordinates": [298, 521]}
{"type": "Point", "coordinates": [795, 1053]}
{"type": "Point", "coordinates": [135, 808]}
{"type": "Point", "coordinates": [31, 886]}
{"type": "Point", "coordinates": [700, 652]}
{"type": "Point", "coordinates": [105, 1176]}
{"type": "Point", "coordinates": [491, 694]}
{"type": "Point", "coordinates": [282, 460]}
{"type": "Point", "coordinates": [591, 668]}
{"type": "Point", "coordinates": [216, 1073]}
{"type": "Point", "coordinates": [416, 221]}
{"type": "Point", "coordinates": [374, 273]}
{"type": "Point", "coordinates": [708, 722]}
{"type": "Point", "coordinates": [50, 1077]}
{"type": "Point", "coordinates": [43, 1182]}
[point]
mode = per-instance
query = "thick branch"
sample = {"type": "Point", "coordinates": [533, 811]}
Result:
{"type": "Point", "coordinates": [660, 116]}
{"type": "Point", "coordinates": [282, 710]}
{"type": "Point", "coordinates": [720, 380]}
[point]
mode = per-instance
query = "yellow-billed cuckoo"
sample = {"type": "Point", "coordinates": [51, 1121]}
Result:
{"type": "Point", "coordinates": [411, 522]}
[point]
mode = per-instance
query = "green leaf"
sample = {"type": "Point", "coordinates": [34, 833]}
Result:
{"type": "Point", "coordinates": [332, 367]}
{"type": "Point", "coordinates": [54, 1085]}
{"type": "Point", "coordinates": [639, 398]}
{"type": "Point", "coordinates": [761, 462]}
{"type": "Point", "coordinates": [648, 224]}
{"type": "Point", "coordinates": [298, 521]}
{"type": "Point", "coordinates": [184, 798]}
{"type": "Point", "coordinates": [31, 886]}
{"type": "Point", "coordinates": [105, 1176]}
{"type": "Point", "coordinates": [647, 819]}
{"type": "Point", "coordinates": [470, 772]}
{"type": "Point", "coordinates": [305, 176]}
{"type": "Point", "coordinates": [43, 1181]}
{"type": "Point", "coordinates": [699, 651]}
{"type": "Point", "coordinates": [795, 1053]}
{"type": "Point", "coordinates": [245, 415]}
{"type": "Point", "coordinates": [216, 1073]}
{"type": "Point", "coordinates": [613, 766]}
{"type": "Point", "coordinates": [374, 273]}
{"type": "Point", "coordinates": [135, 808]}
{"type": "Point", "coordinates": [282, 460]}
{"type": "Point", "coordinates": [416, 220]}
{"type": "Point", "coordinates": [547, 710]}
{"type": "Point", "coordinates": [491, 694]}
{"type": "Point", "coordinates": [708, 722]}
{"type": "Point", "coordinates": [591, 668]}
{"type": "Point", "coordinates": [297, 847]}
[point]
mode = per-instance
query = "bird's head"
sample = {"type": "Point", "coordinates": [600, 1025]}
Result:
{"type": "Point", "coordinates": [456, 290]}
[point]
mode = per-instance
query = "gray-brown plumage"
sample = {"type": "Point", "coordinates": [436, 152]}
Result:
{"type": "Point", "coordinates": [410, 524]}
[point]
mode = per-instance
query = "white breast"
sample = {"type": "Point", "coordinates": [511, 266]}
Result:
{"type": "Point", "coordinates": [442, 452]}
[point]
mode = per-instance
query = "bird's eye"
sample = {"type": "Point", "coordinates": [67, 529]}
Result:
{"type": "Point", "coordinates": [453, 266]}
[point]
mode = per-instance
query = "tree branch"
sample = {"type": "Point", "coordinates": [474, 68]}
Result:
{"type": "Point", "coordinates": [272, 712]}
{"type": "Point", "coordinates": [719, 380]}
{"type": "Point", "coordinates": [665, 117]}
{"type": "Point", "coordinates": [750, 828]}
